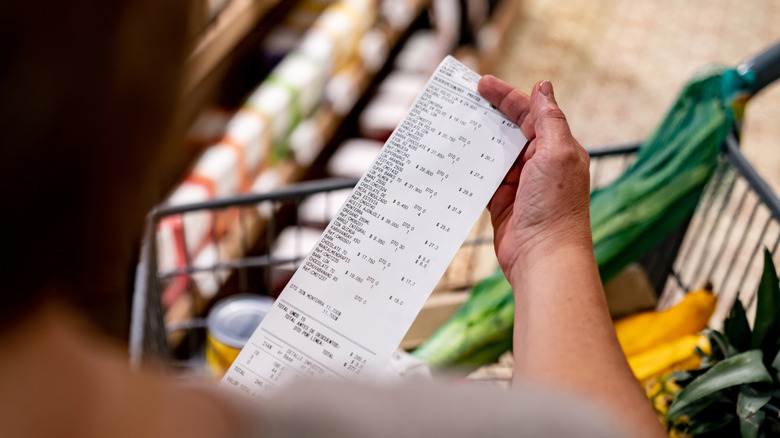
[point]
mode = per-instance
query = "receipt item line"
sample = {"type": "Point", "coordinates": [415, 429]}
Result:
{"type": "Point", "coordinates": [301, 352]}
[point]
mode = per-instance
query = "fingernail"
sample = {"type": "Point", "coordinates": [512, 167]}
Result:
{"type": "Point", "coordinates": [546, 88]}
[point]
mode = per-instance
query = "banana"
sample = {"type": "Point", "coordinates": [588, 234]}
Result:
{"type": "Point", "coordinates": [646, 330]}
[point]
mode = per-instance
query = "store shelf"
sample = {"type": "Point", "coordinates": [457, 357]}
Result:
{"type": "Point", "coordinates": [288, 171]}
{"type": "Point", "coordinates": [223, 35]}
{"type": "Point", "coordinates": [493, 35]}
{"type": "Point", "coordinates": [234, 24]}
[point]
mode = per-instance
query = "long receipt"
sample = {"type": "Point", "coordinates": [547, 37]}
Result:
{"type": "Point", "coordinates": [348, 306]}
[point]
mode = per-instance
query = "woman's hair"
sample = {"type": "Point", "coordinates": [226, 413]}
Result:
{"type": "Point", "coordinates": [88, 92]}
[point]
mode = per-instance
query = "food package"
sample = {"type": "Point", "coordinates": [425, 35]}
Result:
{"type": "Point", "coordinates": [375, 48]}
{"type": "Point", "coordinates": [344, 88]}
{"type": "Point", "coordinates": [340, 28]}
{"type": "Point", "coordinates": [319, 209]}
{"type": "Point", "coordinates": [381, 116]}
{"type": "Point", "coordinates": [290, 93]}
{"type": "Point", "coordinates": [250, 130]}
{"type": "Point", "coordinates": [423, 52]}
{"type": "Point", "coordinates": [208, 279]}
{"type": "Point", "coordinates": [353, 157]}
{"type": "Point", "coordinates": [290, 247]}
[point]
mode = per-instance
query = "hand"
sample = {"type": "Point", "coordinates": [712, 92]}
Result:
{"type": "Point", "coordinates": [543, 203]}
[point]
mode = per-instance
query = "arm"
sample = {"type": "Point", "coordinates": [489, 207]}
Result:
{"type": "Point", "coordinates": [563, 335]}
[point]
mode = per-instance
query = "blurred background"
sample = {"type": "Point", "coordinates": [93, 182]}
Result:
{"type": "Point", "coordinates": [282, 95]}
{"type": "Point", "coordinates": [618, 65]}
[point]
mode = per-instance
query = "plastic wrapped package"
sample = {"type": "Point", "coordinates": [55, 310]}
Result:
{"type": "Point", "coordinates": [269, 180]}
{"type": "Point", "coordinates": [423, 52]}
{"type": "Point", "coordinates": [403, 85]}
{"type": "Point", "coordinates": [275, 100]}
{"type": "Point", "coordinates": [292, 245]}
{"type": "Point", "coordinates": [399, 13]}
{"type": "Point", "coordinates": [447, 16]}
{"type": "Point", "coordinates": [252, 131]}
{"type": "Point", "coordinates": [374, 48]}
{"type": "Point", "coordinates": [295, 243]}
{"type": "Point", "coordinates": [319, 209]}
{"type": "Point", "coordinates": [187, 232]}
{"type": "Point", "coordinates": [343, 90]}
{"type": "Point", "coordinates": [307, 139]}
{"type": "Point", "coordinates": [381, 116]}
{"type": "Point", "coordinates": [217, 170]}
{"type": "Point", "coordinates": [208, 282]}
{"type": "Point", "coordinates": [288, 95]}
{"type": "Point", "coordinates": [353, 157]}
{"type": "Point", "coordinates": [305, 76]}
{"type": "Point", "coordinates": [343, 24]}
{"type": "Point", "coordinates": [319, 45]}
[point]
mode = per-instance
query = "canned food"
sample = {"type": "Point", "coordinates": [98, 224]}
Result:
{"type": "Point", "coordinates": [230, 323]}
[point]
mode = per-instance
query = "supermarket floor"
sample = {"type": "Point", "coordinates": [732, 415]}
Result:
{"type": "Point", "coordinates": [617, 65]}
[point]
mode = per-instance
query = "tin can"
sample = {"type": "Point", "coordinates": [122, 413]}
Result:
{"type": "Point", "coordinates": [229, 325]}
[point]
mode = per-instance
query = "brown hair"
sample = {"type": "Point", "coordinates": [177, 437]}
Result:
{"type": "Point", "coordinates": [88, 92]}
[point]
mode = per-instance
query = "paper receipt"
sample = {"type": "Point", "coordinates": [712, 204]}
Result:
{"type": "Point", "coordinates": [350, 303]}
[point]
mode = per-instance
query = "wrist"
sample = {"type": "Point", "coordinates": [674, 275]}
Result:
{"type": "Point", "coordinates": [572, 254]}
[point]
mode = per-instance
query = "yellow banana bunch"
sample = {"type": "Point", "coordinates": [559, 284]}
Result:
{"type": "Point", "coordinates": [644, 331]}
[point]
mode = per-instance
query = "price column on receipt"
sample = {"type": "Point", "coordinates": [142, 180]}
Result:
{"type": "Point", "coordinates": [354, 297]}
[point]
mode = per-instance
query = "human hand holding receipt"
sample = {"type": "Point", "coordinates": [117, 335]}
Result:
{"type": "Point", "coordinates": [355, 295]}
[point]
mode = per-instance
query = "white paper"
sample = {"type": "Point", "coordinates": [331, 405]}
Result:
{"type": "Point", "coordinates": [348, 306]}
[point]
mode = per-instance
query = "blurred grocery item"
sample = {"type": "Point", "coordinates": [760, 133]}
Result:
{"type": "Point", "coordinates": [646, 330]}
{"type": "Point", "coordinates": [230, 323]}
{"type": "Point", "coordinates": [677, 355]}
{"type": "Point", "coordinates": [353, 157]}
{"type": "Point", "coordinates": [630, 292]}
{"type": "Point", "coordinates": [319, 209]}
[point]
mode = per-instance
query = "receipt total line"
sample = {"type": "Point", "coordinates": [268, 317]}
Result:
{"type": "Point", "coordinates": [326, 326]}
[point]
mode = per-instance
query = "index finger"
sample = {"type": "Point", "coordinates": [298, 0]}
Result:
{"type": "Point", "coordinates": [513, 103]}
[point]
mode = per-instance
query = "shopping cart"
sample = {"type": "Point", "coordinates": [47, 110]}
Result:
{"type": "Point", "coordinates": [738, 215]}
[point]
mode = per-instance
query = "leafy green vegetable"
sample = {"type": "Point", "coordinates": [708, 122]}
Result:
{"type": "Point", "coordinates": [629, 217]}
{"type": "Point", "coordinates": [743, 383]}
{"type": "Point", "coordinates": [482, 327]}
{"type": "Point", "coordinates": [750, 401]}
{"type": "Point", "coordinates": [776, 366]}
{"type": "Point", "coordinates": [766, 328]}
{"type": "Point", "coordinates": [749, 427]}
{"type": "Point", "coordinates": [737, 328]}
{"type": "Point", "coordinates": [746, 367]}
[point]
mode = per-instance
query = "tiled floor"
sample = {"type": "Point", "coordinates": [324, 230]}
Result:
{"type": "Point", "coordinates": [617, 65]}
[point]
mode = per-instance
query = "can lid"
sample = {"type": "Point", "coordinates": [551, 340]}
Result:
{"type": "Point", "coordinates": [233, 320]}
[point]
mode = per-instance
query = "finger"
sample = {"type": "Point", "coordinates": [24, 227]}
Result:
{"type": "Point", "coordinates": [529, 153]}
{"type": "Point", "coordinates": [513, 175]}
{"type": "Point", "coordinates": [527, 125]}
{"type": "Point", "coordinates": [502, 202]}
{"type": "Point", "coordinates": [545, 117]}
{"type": "Point", "coordinates": [510, 101]}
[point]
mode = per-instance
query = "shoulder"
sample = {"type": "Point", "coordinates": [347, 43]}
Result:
{"type": "Point", "coordinates": [424, 409]}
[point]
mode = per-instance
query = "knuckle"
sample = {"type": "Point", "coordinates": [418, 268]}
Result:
{"type": "Point", "coordinates": [553, 112]}
{"type": "Point", "coordinates": [567, 154]}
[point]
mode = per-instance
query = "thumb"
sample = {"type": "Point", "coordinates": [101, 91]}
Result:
{"type": "Point", "coordinates": [548, 119]}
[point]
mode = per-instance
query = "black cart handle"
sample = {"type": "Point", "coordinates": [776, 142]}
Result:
{"type": "Point", "coordinates": [765, 66]}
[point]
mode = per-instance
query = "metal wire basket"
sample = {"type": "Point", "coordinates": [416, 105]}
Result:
{"type": "Point", "coordinates": [736, 217]}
